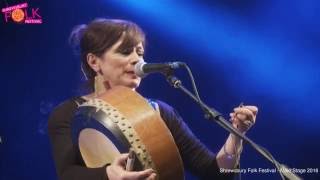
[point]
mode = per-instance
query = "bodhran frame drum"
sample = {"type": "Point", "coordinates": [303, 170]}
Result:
{"type": "Point", "coordinates": [121, 119]}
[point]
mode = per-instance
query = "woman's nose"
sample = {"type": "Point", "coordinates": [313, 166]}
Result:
{"type": "Point", "coordinates": [135, 59]}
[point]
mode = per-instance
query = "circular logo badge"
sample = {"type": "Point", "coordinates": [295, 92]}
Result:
{"type": "Point", "coordinates": [17, 15]}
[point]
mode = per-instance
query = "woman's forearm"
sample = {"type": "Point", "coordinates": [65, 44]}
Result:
{"type": "Point", "coordinates": [229, 155]}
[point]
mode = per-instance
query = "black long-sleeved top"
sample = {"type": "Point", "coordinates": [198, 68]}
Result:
{"type": "Point", "coordinates": [69, 165]}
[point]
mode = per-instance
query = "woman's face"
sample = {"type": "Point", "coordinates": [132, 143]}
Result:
{"type": "Point", "coordinates": [117, 67]}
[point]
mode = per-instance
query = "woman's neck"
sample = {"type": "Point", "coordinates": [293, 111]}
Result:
{"type": "Point", "coordinates": [100, 86]}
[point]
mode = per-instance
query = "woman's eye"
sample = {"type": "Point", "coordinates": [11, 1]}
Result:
{"type": "Point", "coordinates": [126, 52]}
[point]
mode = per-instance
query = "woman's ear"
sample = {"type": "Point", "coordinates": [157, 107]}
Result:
{"type": "Point", "coordinates": [93, 61]}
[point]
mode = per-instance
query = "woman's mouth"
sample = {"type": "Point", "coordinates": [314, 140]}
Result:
{"type": "Point", "coordinates": [131, 74]}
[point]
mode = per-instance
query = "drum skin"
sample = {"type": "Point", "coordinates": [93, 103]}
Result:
{"type": "Point", "coordinates": [138, 126]}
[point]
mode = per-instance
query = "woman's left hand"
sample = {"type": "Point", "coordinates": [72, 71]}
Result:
{"type": "Point", "coordinates": [244, 117]}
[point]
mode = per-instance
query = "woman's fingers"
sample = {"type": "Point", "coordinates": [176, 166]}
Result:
{"type": "Point", "coordinates": [253, 109]}
{"type": "Point", "coordinates": [244, 113]}
{"type": "Point", "coordinates": [121, 160]}
{"type": "Point", "coordinates": [139, 174]}
{"type": "Point", "coordinates": [244, 117]}
{"type": "Point", "coordinates": [152, 176]}
{"type": "Point", "coordinates": [117, 170]}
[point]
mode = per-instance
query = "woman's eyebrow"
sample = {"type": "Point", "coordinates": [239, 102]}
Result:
{"type": "Point", "coordinates": [120, 48]}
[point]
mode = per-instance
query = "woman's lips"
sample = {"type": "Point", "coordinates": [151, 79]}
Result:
{"type": "Point", "coordinates": [132, 74]}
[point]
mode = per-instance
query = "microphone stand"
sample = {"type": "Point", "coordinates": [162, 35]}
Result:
{"type": "Point", "coordinates": [214, 115]}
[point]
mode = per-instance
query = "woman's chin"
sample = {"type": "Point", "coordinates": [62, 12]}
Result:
{"type": "Point", "coordinates": [132, 83]}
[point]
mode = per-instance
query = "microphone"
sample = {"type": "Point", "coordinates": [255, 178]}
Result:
{"type": "Point", "coordinates": [142, 68]}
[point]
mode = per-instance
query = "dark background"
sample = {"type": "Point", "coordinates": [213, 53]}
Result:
{"type": "Point", "coordinates": [262, 52]}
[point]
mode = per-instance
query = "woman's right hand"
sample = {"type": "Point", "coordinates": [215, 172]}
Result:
{"type": "Point", "coordinates": [116, 171]}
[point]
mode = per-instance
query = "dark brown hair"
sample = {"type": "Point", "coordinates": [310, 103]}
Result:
{"type": "Point", "coordinates": [98, 36]}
